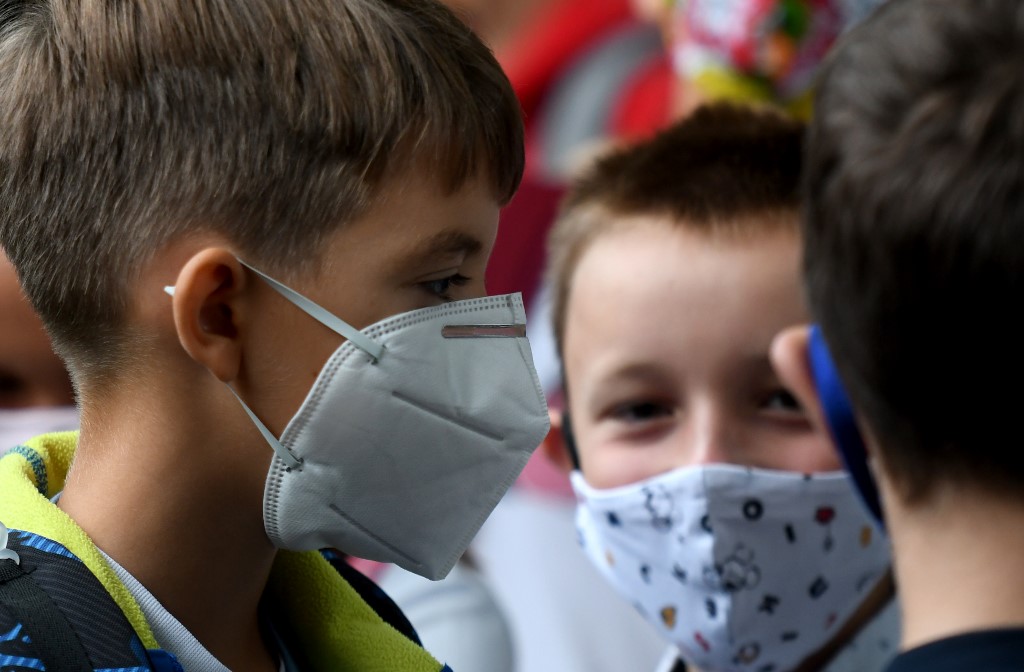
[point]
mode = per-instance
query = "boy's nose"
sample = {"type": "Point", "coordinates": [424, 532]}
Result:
{"type": "Point", "coordinates": [709, 436]}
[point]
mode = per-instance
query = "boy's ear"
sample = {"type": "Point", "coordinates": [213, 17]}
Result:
{"type": "Point", "coordinates": [206, 304]}
{"type": "Point", "coordinates": [554, 443]}
{"type": "Point", "coordinates": [792, 364]}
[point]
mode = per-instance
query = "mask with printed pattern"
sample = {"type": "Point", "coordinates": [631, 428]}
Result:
{"type": "Point", "coordinates": [741, 568]}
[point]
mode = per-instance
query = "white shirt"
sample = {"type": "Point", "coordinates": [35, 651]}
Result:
{"type": "Point", "coordinates": [174, 637]}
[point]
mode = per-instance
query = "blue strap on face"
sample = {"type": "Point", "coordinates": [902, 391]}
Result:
{"type": "Point", "coordinates": [842, 423]}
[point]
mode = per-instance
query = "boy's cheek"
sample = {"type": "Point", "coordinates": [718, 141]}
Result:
{"type": "Point", "coordinates": [809, 452]}
{"type": "Point", "coordinates": [555, 447]}
{"type": "Point", "coordinates": [608, 463]}
{"type": "Point", "coordinates": [611, 465]}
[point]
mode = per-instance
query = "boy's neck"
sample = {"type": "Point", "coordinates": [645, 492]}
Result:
{"type": "Point", "coordinates": [957, 558]}
{"type": "Point", "coordinates": [164, 502]}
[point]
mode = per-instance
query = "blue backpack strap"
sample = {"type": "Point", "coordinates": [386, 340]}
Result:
{"type": "Point", "coordinates": [55, 644]}
{"type": "Point", "coordinates": [91, 615]}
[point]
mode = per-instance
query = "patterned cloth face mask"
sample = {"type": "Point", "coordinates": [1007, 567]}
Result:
{"type": "Point", "coordinates": [742, 569]}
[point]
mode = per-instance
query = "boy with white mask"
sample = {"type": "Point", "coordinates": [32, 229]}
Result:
{"type": "Point", "coordinates": [705, 496]}
{"type": "Point", "coordinates": [257, 234]}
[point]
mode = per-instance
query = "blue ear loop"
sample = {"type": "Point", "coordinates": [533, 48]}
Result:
{"type": "Point", "coordinates": [842, 424]}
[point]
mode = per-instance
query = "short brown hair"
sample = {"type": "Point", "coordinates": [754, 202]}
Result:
{"type": "Point", "coordinates": [914, 237]}
{"type": "Point", "coordinates": [124, 125]}
{"type": "Point", "coordinates": [718, 170]}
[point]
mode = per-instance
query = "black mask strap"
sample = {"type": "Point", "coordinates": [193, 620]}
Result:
{"type": "Point", "coordinates": [567, 435]}
{"type": "Point", "coordinates": [570, 440]}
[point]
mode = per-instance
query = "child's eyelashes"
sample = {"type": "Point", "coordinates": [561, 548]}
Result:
{"type": "Point", "coordinates": [441, 287]}
{"type": "Point", "coordinates": [9, 383]}
{"type": "Point", "coordinates": [782, 401]}
{"type": "Point", "coordinates": [640, 411]}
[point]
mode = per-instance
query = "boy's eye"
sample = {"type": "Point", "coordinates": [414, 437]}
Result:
{"type": "Point", "coordinates": [782, 400]}
{"type": "Point", "coordinates": [441, 287]}
{"type": "Point", "coordinates": [9, 383]}
{"type": "Point", "coordinates": [641, 412]}
{"type": "Point", "coordinates": [12, 390]}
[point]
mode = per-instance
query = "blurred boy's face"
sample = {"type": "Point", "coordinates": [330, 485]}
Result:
{"type": "Point", "coordinates": [666, 354]}
{"type": "Point", "coordinates": [30, 373]}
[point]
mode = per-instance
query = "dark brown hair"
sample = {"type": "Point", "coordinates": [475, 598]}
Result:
{"type": "Point", "coordinates": [914, 235]}
{"type": "Point", "coordinates": [124, 125]}
{"type": "Point", "coordinates": [725, 169]}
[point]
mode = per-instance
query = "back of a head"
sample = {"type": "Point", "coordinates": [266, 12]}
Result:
{"type": "Point", "coordinates": [127, 125]}
{"type": "Point", "coordinates": [726, 170]}
{"type": "Point", "coordinates": [915, 236]}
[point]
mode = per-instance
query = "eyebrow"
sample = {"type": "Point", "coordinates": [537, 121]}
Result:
{"type": "Point", "coordinates": [761, 363]}
{"type": "Point", "coordinates": [636, 371]}
{"type": "Point", "coordinates": [445, 243]}
{"type": "Point", "coordinates": [757, 369]}
{"type": "Point", "coordinates": [756, 366]}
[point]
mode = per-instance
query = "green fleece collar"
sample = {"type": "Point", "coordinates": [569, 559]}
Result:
{"type": "Point", "coordinates": [333, 628]}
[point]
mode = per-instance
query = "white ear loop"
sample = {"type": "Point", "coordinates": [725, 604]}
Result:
{"type": "Point", "coordinates": [324, 317]}
{"type": "Point", "coordinates": [286, 456]}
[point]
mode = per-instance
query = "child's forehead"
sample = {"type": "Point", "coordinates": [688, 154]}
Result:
{"type": "Point", "coordinates": [760, 233]}
{"type": "Point", "coordinates": [413, 219]}
{"type": "Point", "coordinates": [647, 251]}
{"type": "Point", "coordinates": [657, 287]}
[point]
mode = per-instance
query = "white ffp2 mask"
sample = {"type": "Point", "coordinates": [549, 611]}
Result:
{"type": "Point", "coordinates": [743, 569]}
{"type": "Point", "coordinates": [411, 434]}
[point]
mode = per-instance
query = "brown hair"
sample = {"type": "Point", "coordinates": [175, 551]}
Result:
{"type": "Point", "coordinates": [913, 259]}
{"type": "Point", "coordinates": [712, 172]}
{"type": "Point", "coordinates": [124, 125]}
